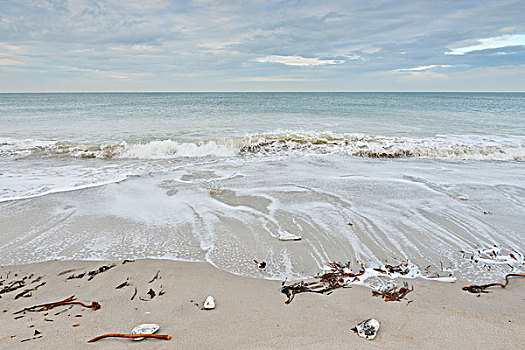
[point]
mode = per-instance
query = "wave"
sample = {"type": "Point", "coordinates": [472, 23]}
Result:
{"type": "Point", "coordinates": [157, 149]}
{"type": "Point", "coordinates": [467, 147]}
{"type": "Point", "coordinates": [441, 147]}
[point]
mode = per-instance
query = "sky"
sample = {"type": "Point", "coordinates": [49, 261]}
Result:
{"type": "Point", "coordinates": [201, 45]}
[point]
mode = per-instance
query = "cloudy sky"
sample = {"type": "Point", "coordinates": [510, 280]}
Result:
{"type": "Point", "coordinates": [160, 45]}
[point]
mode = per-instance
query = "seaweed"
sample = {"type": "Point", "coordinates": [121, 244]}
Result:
{"type": "Point", "coordinates": [28, 339]}
{"type": "Point", "coordinates": [328, 281]}
{"type": "Point", "coordinates": [115, 335]}
{"type": "Point", "coordinates": [260, 264]}
{"type": "Point", "coordinates": [92, 273]}
{"type": "Point", "coordinates": [478, 289]}
{"type": "Point", "coordinates": [27, 292]}
{"type": "Point", "coordinates": [68, 301]}
{"type": "Point", "coordinates": [155, 277]}
{"type": "Point", "coordinates": [13, 286]}
{"type": "Point", "coordinates": [300, 287]}
{"type": "Point", "coordinates": [392, 293]}
{"type": "Point", "coordinates": [401, 269]}
{"type": "Point", "coordinates": [122, 285]}
{"type": "Point", "coordinates": [81, 275]}
{"type": "Point", "coordinates": [101, 269]}
{"type": "Point", "coordinates": [134, 294]}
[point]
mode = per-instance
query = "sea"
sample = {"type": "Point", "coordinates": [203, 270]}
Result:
{"type": "Point", "coordinates": [435, 181]}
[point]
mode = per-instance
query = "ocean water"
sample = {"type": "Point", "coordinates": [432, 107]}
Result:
{"type": "Point", "coordinates": [431, 178]}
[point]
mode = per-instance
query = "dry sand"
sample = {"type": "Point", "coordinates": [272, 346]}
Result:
{"type": "Point", "coordinates": [250, 313]}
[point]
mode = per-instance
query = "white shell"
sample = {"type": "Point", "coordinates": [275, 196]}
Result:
{"type": "Point", "coordinates": [367, 329]}
{"type": "Point", "coordinates": [145, 329]}
{"type": "Point", "coordinates": [209, 304]}
{"type": "Point", "coordinates": [290, 238]}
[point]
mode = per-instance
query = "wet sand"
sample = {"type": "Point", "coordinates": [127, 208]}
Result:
{"type": "Point", "coordinates": [250, 313]}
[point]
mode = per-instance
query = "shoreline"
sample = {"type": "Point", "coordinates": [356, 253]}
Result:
{"type": "Point", "coordinates": [250, 313]}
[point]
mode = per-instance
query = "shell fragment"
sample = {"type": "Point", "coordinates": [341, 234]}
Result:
{"type": "Point", "coordinates": [290, 238]}
{"type": "Point", "coordinates": [209, 303]}
{"type": "Point", "coordinates": [145, 329]}
{"type": "Point", "coordinates": [367, 329]}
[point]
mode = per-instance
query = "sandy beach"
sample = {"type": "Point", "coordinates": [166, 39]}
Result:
{"type": "Point", "coordinates": [250, 313]}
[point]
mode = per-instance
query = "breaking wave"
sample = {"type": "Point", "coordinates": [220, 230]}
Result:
{"type": "Point", "coordinates": [283, 143]}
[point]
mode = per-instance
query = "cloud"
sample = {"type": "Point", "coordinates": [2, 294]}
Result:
{"type": "Point", "coordinates": [273, 79]}
{"type": "Point", "coordinates": [168, 44]}
{"type": "Point", "coordinates": [423, 68]}
{"type": "Point", "coordinates": [425, 75]}
{"type": "Point", "coordinates": [142, 5]}
{"type": "Point", "coordinates": [5, 61]}
{"type": "Point", "coordinates": [12, 48]}
{"type": "Point", "coordinates": [298, 61]}
{"type": "Point", "coordinates": [109, 74]}
{"type": "Point", "coordinates": [490, 43]}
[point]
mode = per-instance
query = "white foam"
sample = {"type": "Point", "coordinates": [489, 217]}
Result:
{"type": "Point", "coordinates": [10, 147]}
{"type": "Point", "coordinates": [63, 189]}
{"type": "Point", "coordinates": [410, 271]}
{"type": "Point", "coordinates": [171, 149]}
{"type": "Point", "coordinates": [457, 147]}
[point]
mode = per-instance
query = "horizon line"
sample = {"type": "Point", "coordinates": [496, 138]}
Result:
{"type": "Point", "coordinates": [204, 92]}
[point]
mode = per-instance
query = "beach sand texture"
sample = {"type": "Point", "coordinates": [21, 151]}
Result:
{"type": "Point", "coordinates": [250, 313]}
